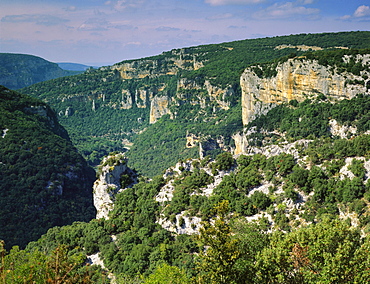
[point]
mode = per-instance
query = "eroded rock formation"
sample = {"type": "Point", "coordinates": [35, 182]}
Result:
{"type": "Point", "coordinates": [110, 182]}
{"type": "Point", "coordinates": [297, 79]}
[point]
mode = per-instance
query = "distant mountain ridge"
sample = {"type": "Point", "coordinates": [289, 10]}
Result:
{"type": "Point", "coordinates": [69, 66]}
{"type": "Point", "coordinates": [22, 70]}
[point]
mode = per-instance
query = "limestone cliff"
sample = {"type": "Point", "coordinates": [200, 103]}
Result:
{"type": "Point", "coordinates": [145, 68]}
{"type": "Point", "coordinates": [159, 106]}
{"type": "Point", "coordinates": [142, 96]}
{"type": "Point", "coordinates": [204, 94]}
{"type": "Point", "coordinates": [168, 63]}
{"type": "Point", "coordinates": [188, 91]}
{"type": "Point", "coordinates": [126, 102]}
{"type": "Point", "coordinates": [299, 79]}
{"type": "Point", "coordinates": [113, 176]}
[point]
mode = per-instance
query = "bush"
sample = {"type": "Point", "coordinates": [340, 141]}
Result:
{"type": "Point", "coordinates": [224, 161]}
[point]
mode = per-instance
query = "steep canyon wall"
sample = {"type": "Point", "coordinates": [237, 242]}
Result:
{"type": "Point", "coordinates": [298, 79]}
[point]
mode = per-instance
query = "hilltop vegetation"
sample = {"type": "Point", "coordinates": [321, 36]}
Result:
{"type": "Point", "coordinates": [44, 182]}
{"type": "Point", "coordinates": [22, 70]}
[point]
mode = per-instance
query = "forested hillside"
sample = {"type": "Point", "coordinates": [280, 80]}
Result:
{"type": "Point", "coordinates": [22, 70]}
{"type": "Point", "coordinates": [105, 109]}
{"type": "Point", "coordinates": [44, 182]}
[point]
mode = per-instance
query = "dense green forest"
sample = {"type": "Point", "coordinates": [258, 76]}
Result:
{"type": "Point", "coordinates": [22, 70]}
{"type": "Point", "coordinates": [311, 119]}
{"type": "Point", "coordinates": [90, 105]}
{"type": "Point", "coordinates": [44, 182]}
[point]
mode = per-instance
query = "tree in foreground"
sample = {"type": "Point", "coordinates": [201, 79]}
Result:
{"type": "Point", "coordinates": [327, 252]}
{"type": "Point", "coordinates": [219, 250]}
{"type": "Point", "coordinates": [60, 267]}
{"type": "Point", "coordinates": [166, 274]}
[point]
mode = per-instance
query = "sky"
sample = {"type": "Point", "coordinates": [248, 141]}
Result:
{"type": "Point", "coordinates": [104, 32]}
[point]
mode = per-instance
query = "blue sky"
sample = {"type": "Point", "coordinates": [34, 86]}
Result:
{"type": "Point", "coordinates": [103, 32]}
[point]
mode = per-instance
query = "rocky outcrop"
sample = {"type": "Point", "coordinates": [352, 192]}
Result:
{"type": "Point", "coordinates": [142, 97]}
{"type": "Point", "coordinates": [183, 223]}
{"type": "Point", "coordinates": [168, 63]}
{"type": "Point", "coordinates": [342, 131]}
{"type": "Point", "coordinates": [241, 143]}
{"type": "Point", "coordinates": [188, 84]}
{"type": "Point", "coordinates": [146, 68]}
{"type": "Point", "coordinates": [126, 102]}
{"type": "Point", "coordinates": [191, 140]}
{"type": "Point", "coordinates": [4, 132]}
{"type": "Point", "coordinates": [301, 47]}
{"type": "Point", "coordinates": [159, 106]}
{"type": "Point", "coordinates": [207, 145]}
{"type": "Point", "coordinates": [204, 94]}
{"type": "Point", "coordinates": [297, 79]}
{"type": "Point", "coordinates": [275, 150]}
{"type": "Point", "coordinates": [219, 95]}
{"type": "Point", "coordinates": [345, 171]}
{"type": "Point", "coordinates": [109, 183]}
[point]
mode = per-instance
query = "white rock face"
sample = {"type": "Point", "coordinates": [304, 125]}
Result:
{"type": "Point", "coordinates": [242, 147]}
{"type": "Point", "coordinates": [341, 130]}
{"type": "Point", "coordinates": [108, 183]}
{"type": "Point", "coordinates": [185, 224]}
{"type": "Point", "coordinates": [158, 108]}
{"type": "Point", "coordinates": [219, 95]}
{"type": "Point", "coordinates": [142, 97]}
{"type": "Point", "coordinates": [298, 79]}
{"type": "Point", "coordinates": [4, 133]}
{"type": "Point", "coordinates": [95, 259]}
{"type": "Point", "coordinates": [165, 194]}
{"type": "Point", "coordinates": [190, 224]}
{"type": "Point", "coordinates": [214, 93]}
{"type": "Point", "coordinates": [126, 102]}
{"type": "Point", "coordinates": [346, 173]}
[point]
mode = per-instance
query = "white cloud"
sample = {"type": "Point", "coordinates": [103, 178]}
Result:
{"type": "Point", "coordinates": [232, 2]}
{"type": "Point", "coordinates": [122, 5]}
{"type": "Point", "coordinates": [134, 43]}
{"type": "Point", "coordinates": [94, 24]}
{"type": "Point", "coordinates": [101, 24]}
{"type": "Point", "coordinates": [221, 16]}
{"type": "Point", "coordinates": [166, 29]}
{"type": "Point", "coordinates": [124, 27]}
{"type": "Point", "coordinates": [234, 27]}
{"type": "Point", "coordinates": [70, 9]}
{"type": "Point", "coordinates": [361, 13]}
{"type": "Point", "coordinates": [39, 19]}
{"type": "Point", "coordinates": [288, 10]}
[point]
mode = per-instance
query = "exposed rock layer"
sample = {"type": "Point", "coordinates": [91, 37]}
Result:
{"type": "Point", "coordinates": [109, 183]}
{"type": "Point", "coordinates": [297, 79]}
